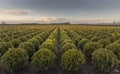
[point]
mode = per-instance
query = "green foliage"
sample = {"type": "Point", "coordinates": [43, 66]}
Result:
{"type": "Point", "coordinates": [1, 40]}
{"type": "Point", "coordinates": [111, 39]}
{"type": "Point", "coordinates": [50, 45]}
{"type": "Point", "coordinates": [23, 39]}
{"type": "Point", "coordinates": [77, 40]}
{"type": "Point", "coordinates": [15, 42]}
{"type": "Point", "coordinates": [66, 42]}
{"type": "Point", "coordinates": [7, 38]}
{"type": "Point", "coordinates": [118, 41]}
{"type": "Point", "coordinates": [68, 46]}
{"type": "Point", "coordinates": [35, 42]}
{"type": "Point", "coordinates": [90, 47]}
{"type": "Point", "coordinates": [104, 42]}
{"type": "Point", "coordinates": [40, 39]}
{"type": "Point", "coordinates": [28, 47]}
{"type": "Point", "coordinates": [74, 36]}
{"type": "Point", "coordinates": [95, 38]}
{"type": "Point", "coordinates": [104, 59]}
{"type": "Point", "coordinates": [4, 46]}
{"type": "Point", "coordinates": [51, 42]}
{"type": "Point", "coordinates": [82, 43]}
{"type": "Point", "coordinates": [43, 59]}
{"type": "Point", "coordinates": [72, 60]}
{"type": "Point", "coordinates": [115, 48]}
{"type": "Point", "coordinates": [14, 59]}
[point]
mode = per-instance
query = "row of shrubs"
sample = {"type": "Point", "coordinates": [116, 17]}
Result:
{"type": "Point", "coordinates": [17, 58]}
{"type": "Point", "coordinates": [81, 41]}
{"type": "Point", "coordinates": [31, 46]}
{"type": "Point", "coordinates": [18, 33]}
{"type": "Point", "coordinates": [45, 57]}
{"type": "Point", "coordinates": [27, 36]}
{"type": "Point", "coordinates": [71, 59]}
{"type": "Point", "coordinates": [66, 42]}
{"type": "Point", "coordinates": [105, 59]}
{"type": "Point", "coordinates": [96, 33]}
{"type": "Point", "coordinates": [4, 46]}
{"type": "Point", "coordinates": [105, 55]}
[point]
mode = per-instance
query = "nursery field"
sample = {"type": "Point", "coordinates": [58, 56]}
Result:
{"type": "Point", "coordinates": [59, 49]}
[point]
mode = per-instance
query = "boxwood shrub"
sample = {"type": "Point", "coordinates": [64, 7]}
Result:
{"type": "Point", "coordinates": [35, 42]}
{"type": "Point", "coordinates": [104, 59]}
{"type": "Point", "coordinates": [103, 42]}
{"type": "Point", "coordinates": [82, 43]}
{"type": "Point", "coordinates": [115, 48]}
{"type": "Point", "coordinates": [28, 47]}
{"type": "Point", "coordinates": [15, 43]}
{"type": "Point", "coordinates": [72, 60]}
{"type": "Point", "coordinates": [43, 59]}
{"type": "Point", "coordinates": [68, 46]}
{"type": "Point", "coordinates": [14, 59]}
{"type": "Point", "coordinates": [4, 46]}
{"type": "Point", "coordinates": [40, 39]}
{"type": "Point", "coordinates": [90, 47]}
{"type": "Point", "coordinates": [77, 39]}
{"type": "Point", "coordinates": [49, 45]}
{"type": "Point", "coordinates": [23, 39]}
{"type": "Point", "coordinates": [118, 41]}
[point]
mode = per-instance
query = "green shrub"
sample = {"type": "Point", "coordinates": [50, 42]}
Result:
{"type": "Point", "coordinates": [40, 39]}
{"type": "Point", "coordinates": [118, 41]}
{"type": "Point", "coordinates": [1, 40]}
{"type": "Point", "coordinates": [111, 39]}
{"type": "Point", "coordinates": [115, 48]}
{"type": "Point", "coordinates": [28, 47]}
{"type": "Point", "coordinates": [49, 45]}
{"type": "Point", "coordinates": [23, 39]}
{"type": "Point", "coordinates": [77, 39]}
{"type": "Point", "coordinates": [82, 43]}
{"type": "Point", "coordinates": [104, 42]}
{"type": "Point", "coordinates": [95, 38]}
{"type": "Point", "coordinates": [6, 39]}
{"type": "Point", "coordinates": [15, 43]}
{"type": "Point", "coordinates": [35, 42]}
{"type": "Point", "coordinates": [4, 46]}
{"type": "Point", "coordinates": [104, 59]}
{"type": "Point", "coordinates": [14, 59]}
{"type": "Point", "coordinates": [67, 46]}
{"type": "Point", "coordinates": [90, 47]}
{"type": "Point", "coordinates": [72, 60]}
{"type": "Point", "coordinates": [65, 41]}
{"type": "Point", "coordinates": [43, 59]}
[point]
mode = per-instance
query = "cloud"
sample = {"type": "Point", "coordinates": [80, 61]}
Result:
{"type": "Point", "coordinates": [14, 12]}
{"type": "Point", "coordinates": [46, 19]}
{"type": "Point", "coordinates": [51, 19]}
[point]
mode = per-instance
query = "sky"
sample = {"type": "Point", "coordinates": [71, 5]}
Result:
{"type": "Point", "coordinates": [57, 11]}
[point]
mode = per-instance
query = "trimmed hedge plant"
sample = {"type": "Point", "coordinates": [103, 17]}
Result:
{"type": "Point", "coordinates": [115, 48]}
{"type": "Point", "coordinates": [14, 59]}
{"type": "Point", "coordinates": [35, 42]}
{"type": "Point", "coordinates": [90, 47]}
{"type": "Point", "coordinates": [72, 60]}
{"type": "Point", "coordinates": [103, 42]}
{"type": "Point", "coordinates": [82, 43]}
{"type": "Point", "coordinates": [4, 46]}
{"type": "Point", "coordinates": [15, 43]}
{"type": "Point", "coordinates": [104, 59]}
{"type": "Point", "coordinates": [28, 46]}
{"type": "Point", "coordinates": [43, 59]}
{"type": "Point", "coordinates": [49, 45]}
